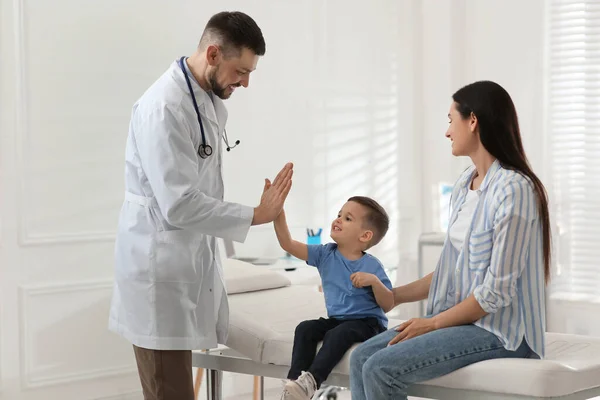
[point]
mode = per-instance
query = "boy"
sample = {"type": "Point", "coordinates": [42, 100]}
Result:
{"type": "Point", "coordinates": [356, 287]}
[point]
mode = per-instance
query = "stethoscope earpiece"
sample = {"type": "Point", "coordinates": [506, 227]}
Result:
{"type": "Point", "coordinates": [205, 150]}
{"type": "Point", "coordinates": [227, 141]}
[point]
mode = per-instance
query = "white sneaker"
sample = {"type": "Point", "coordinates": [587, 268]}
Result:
{"type": "Point", "coordinates": [284, 382]}
{"type": "Point", "coordinates": [302, 388]}
{"type": "Point", "coordinates": [285, 395]}
{"type": "Point", "coordinates": [318, 394]}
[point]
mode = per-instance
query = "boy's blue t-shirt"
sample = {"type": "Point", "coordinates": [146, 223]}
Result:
{"type": "Point", "coordinates": [342, 299]}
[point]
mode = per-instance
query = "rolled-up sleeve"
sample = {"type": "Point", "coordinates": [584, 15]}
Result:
{"type": "Point", "coordinates": [514, 219]}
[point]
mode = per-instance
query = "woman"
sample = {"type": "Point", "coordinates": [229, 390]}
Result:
{"type": "Point", "coordinates": [486, 295]}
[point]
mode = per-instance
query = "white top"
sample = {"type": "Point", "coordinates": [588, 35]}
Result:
{"type": "Point", "coordinates": [458, 230]}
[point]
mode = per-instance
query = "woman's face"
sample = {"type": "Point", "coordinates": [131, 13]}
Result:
{"type": "Point", "coordinates": [462, 132]}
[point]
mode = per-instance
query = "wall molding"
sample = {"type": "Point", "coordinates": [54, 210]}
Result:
{"type": "Point", "coordinates": [101, 373]}
{"type": "Point", "coordinates": [27, 239]}
{"type": "Point", "coordinates": [23, 133]}
{"type": "Point", "coordinates": [26, 293]}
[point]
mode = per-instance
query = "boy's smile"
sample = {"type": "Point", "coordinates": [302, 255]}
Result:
{"type": "Point", "coordinates": [347, 228]}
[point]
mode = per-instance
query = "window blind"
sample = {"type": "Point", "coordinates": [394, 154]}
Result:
{"type": "Point", "coordinates": [574, 129]}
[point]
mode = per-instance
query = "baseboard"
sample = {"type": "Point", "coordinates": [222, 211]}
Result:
{"type": "Point", "coordinates": [136, 395]}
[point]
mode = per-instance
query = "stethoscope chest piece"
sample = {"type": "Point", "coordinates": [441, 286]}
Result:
{"type": "Point", "coordinates": [205, 151]}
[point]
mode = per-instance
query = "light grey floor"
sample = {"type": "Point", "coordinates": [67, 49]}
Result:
{"type": "Point", "coordinates": [240, 387]}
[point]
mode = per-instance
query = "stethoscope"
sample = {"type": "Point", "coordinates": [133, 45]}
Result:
{"type": "Point", "coordinates": [205, 150]}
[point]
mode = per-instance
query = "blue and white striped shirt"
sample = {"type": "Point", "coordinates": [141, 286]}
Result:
{"type": "Point", "coordinates": [501, 261]}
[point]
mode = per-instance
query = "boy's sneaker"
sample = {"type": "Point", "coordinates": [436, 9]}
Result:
{"type": "Point", "coordinates": [284, 393]}
{"type": "Point", "coordinates": [302, 388]}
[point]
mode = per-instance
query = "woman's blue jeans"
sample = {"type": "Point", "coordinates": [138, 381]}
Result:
{"type": "Point", "coordinates": [379, 372]}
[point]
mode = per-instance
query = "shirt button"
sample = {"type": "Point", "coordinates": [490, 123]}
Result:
{"type": "Point", "coordinates": [210, 290]}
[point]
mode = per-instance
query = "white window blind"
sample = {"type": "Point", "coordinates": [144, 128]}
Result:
{"type": "Point", "coordinates": [574, 128]}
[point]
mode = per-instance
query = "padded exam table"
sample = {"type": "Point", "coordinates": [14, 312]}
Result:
{"type": "Point", "coordinates": [265, 310]}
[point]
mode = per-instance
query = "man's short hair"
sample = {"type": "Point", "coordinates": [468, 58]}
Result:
{"type": "Point", "coordinates": [232, 31]}
{"type": "Point", "coordinates": [376, 218]}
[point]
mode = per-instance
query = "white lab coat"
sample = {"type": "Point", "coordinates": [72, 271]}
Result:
{"type": "Point", "coordinates": [169, 290]}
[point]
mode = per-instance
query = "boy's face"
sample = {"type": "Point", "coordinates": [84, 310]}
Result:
{"type": "Point", "coordinates": [349, 227]}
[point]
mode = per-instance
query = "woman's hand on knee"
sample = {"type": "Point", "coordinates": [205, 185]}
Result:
{"type": "Point", "coordinates": [412, 328]}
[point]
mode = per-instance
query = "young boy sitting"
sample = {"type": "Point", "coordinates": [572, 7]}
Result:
{"type": "Point", "coordinates": [356, 288]}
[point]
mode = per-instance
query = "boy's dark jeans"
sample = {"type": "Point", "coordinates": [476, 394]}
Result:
{"type": "Point", "coordinates": [338, 335]}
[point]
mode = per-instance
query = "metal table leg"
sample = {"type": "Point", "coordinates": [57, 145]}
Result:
{"type": "Point", "coordinates": [420, 275]}
{"type": "Point", "coordinates": [214, 383]}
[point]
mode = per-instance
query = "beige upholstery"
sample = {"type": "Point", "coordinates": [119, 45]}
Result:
{"type": "Point", "coordinates": [241, 277]}
{"type": "Point", "coordinates": [262, 323]}
{"type": "Point", "coordinates": [262, 328]}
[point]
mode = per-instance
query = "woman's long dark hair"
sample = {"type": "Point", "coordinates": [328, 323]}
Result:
{"type": "Point", "coordinates": [500, 136]}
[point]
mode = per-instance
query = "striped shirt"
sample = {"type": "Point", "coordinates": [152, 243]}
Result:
{"type": "Point", "coordinates": [501, 261]}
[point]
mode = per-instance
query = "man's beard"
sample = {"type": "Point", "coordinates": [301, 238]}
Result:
{"type": "Point", "coordinates": [217, 89]}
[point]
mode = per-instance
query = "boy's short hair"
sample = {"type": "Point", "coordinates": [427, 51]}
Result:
{"type": "Point", "coordinates": [377, 218]}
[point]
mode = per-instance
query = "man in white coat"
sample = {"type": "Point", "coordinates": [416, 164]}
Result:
{"type": "Point", "coordinates": [169, 295]}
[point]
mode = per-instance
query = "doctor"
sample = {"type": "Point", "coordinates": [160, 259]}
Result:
{"type": "Point", "coordinates": [169, 295]}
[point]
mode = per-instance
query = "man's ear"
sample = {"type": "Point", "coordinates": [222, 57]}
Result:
{"type": "Point", "coordinates": [213, 55]}
{"type": "Point", "coordinates": [366, 236]}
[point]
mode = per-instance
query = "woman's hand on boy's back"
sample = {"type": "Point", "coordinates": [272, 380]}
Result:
{"type": "Point", "coordinates": [363, 279]}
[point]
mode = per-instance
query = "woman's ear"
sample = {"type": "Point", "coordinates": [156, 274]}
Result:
{"type": "Point", "coordinates": [473, 123]}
